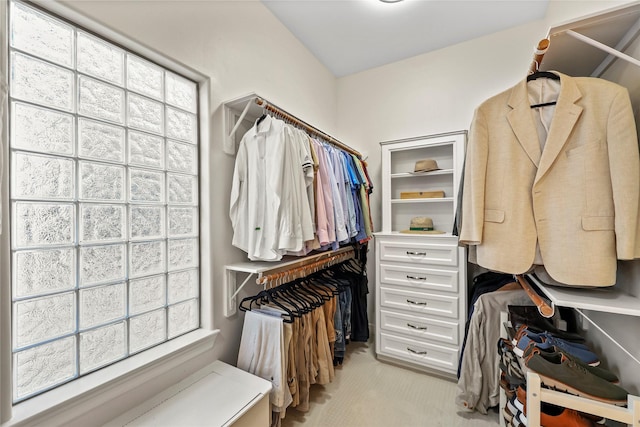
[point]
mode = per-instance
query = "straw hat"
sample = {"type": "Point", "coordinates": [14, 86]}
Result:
{"type": "Point", "coordinates": [421, 225]}
{"type": "Point", "coordinates": [426, 165]}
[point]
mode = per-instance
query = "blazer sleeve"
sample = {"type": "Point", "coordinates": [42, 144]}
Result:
{"type": "Point", "coordinates": [475, 173]}
{"type": "Point", "coordinates": [624, 164]}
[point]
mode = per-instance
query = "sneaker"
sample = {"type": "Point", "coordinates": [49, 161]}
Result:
{"type": "Point", "coordinates": [509, 363]}
{"type": "Point", "coordinates": [511, 406]}
{"type": "Point", "coordinates": [556, 416]}
{"type": "Point", "coordinates": [540, 335]}
{"type": "Point", "coordinates": [507, 415]}
{"type": "Point", "coordinates": [562, 373]}
{"type": "Point", "coordinates": [601, 372]}
{"type": "Point", "coordinates": [522, 418]}
{"type": "Point", "coordinates": [528, 315]}
{"type": "Point", "coordinates": [546, 342]}
{"type": "Point", "coordinates": [509, 389]}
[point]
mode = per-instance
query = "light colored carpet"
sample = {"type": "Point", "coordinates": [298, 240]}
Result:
{"type": "Point", "coordinates": [370, 393]}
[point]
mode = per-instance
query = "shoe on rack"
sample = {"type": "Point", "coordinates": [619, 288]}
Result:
{"type": "Point", "coordinates": [509, 363]}
{"type": "Point", "coordinates": [505, 350]}
{"type": "Point", "coordinates": [546, 342]}
{"type": "Point", "coordinates": [513, 373]}
{"type": "Point", "coordinates": [506, 413]}
{"type": "Point", "coordinates": [515, 409]}
{"type": "Point", "coordinates": [524, 329]}
{"type": "Point", "coordinates": [509, 389]}
{"type": "Point", "coordinates": [596, 370]}
{"type": "Point", "coordinates": [556, 416]}
{"type": "Point", "coordinates": [539, 336]}
{"type": "Point", "coordinates": [528, 315]}
{"type": "Point", "coordinates": [562, 373]}
{"type": "Point", "coordinates": [521, 418]}
{"type": "Point", "coordinates": [515, 405]}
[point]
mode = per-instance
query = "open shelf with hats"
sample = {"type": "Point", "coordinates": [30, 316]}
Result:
{"type": "Point", "coordinates": [419, 179]}
{"type": "Point", "coordinates": [420, 270]}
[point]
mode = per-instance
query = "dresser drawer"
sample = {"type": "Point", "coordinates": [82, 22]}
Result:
{"type": "Point", "coordinates": [427, 354]}
{"type": "Point", "coordinates": [419, 302]}
{"type": "Point", "coordinates": [420, 327]}
{"type": "Point", "coordinates": [419, 277]}
{"type": "Point", "coordinates": [419, 253]}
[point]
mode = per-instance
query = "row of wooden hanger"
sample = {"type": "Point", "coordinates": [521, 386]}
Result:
{"type": "Point", "coordinates": [301, 295]}
{"type": "Point", "coordinates": [297, 272]}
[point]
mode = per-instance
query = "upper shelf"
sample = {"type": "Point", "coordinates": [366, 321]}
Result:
{"type": "Point", "coordinates": [610, 300]}
{"type": "Point", "coordinates": [616, 29]}
{"type": "Point", "coordinates": [424, 200]}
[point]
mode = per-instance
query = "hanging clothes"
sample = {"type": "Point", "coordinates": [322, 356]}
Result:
{"type": "Point", "coordinates": [574, 208]}
{"type": "Point", "coordinates": [262, 353]}
{"type": "Point", "coordinates": [256, 188]}
{"type": "Point", "coordinates": [307, 337]}
{"type": "Point", "coordinates": [478, 387]}
{"type": "Point", "coordinates": [292, 194]}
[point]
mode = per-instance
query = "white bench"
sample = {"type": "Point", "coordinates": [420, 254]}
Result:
{"type": "Point", "coordinates": [217, 395]}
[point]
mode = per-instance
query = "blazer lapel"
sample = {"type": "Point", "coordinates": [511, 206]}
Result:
{"type": "Point", "coordinates": [522, 123]}
{"type": "Point", "coordinates": [564, 119]}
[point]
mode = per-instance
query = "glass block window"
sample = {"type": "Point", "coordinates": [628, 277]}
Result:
{"type": "Point", "coordinates": [104, 202]}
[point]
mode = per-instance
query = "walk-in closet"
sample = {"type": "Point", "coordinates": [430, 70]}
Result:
{"type": "Point", "coordinates": [265, 213]}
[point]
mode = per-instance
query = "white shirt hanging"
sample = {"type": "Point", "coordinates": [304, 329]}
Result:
{"type": "Point", "coordinates": [256, 188]}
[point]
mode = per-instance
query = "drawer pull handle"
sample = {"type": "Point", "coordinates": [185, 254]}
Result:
{"type": "Point", "coordinates": [416, 278]}
{"type": "Point", "coordinates": [416, 352]}
{"type": "Point", "coordinates": [416, 302]}
{"type": "Point", "coordinates": [420, 328]}
{"type": "Point", "coordinates": [416, 253]}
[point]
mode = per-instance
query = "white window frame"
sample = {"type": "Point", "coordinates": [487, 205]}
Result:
{"type": "Point", "coordinates": [137, 378]}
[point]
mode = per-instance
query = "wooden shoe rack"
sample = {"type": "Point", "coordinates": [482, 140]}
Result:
{"type": "Point", "coordinates": [536, 394]}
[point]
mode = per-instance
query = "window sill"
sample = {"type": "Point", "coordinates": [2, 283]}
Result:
{"type": "Point", "coordinates": [80, 396]}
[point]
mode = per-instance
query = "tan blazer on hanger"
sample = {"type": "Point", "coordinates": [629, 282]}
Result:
{"type": "Point", "coordinates": [575, 200]}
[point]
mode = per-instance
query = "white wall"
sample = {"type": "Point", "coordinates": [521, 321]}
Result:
{"type": "Point", "coordinates": [438, 92]}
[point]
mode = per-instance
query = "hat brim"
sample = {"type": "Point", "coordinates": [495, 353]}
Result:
{"type": "Point", "coordinates": [422, 232]}
{"type": "Point", "coordinates": [426, 170]}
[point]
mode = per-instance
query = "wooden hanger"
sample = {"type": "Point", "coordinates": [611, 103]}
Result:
{"type": "Point", "coordinates": [544, 309]}
{"type": "Point", "coordinates": [534, 69]}
{"type": "Point", "coordinates": [538, 54]}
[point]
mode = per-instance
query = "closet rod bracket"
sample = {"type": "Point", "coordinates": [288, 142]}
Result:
{"type": "Point", "coordinates": [231, 291]}
{"type": "Point", "coordinates": [264, 269]}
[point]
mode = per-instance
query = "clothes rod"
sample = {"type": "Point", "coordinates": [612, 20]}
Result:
{"type": "Point", "coordinates": [312, 261]}
{"type": "Point", "coordinates": [277, 110]}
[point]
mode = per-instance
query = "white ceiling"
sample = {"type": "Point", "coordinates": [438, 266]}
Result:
{"type": "Point", "coordinates": [349, 36]}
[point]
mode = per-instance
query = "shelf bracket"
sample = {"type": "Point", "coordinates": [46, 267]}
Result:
{"type": "Point", "coordinates": [229, 143]}
{"type": "Point", "coordinates": [603, 47]}
{"type": "Point", "coordinates": [231, 291]}
{"type": "Point", "coordinates": [609, 337]}
{"type": "Point", "coordinates": [624, 43]}
{"type": "Point", "coordinates": [240, 119]}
